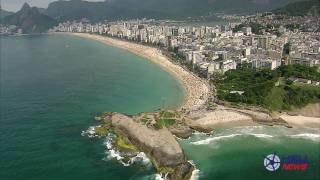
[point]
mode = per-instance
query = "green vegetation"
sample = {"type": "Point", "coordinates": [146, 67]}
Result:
{"type": "Point", "coordinates": [168, 114]}
{"type": "Point", "coordinates": [164, 123]}
{"type": "Point", "coordinates": [274, 99]}
{"type": "Point", "coordinates": [144, 120]}
{"type": "Point", "coordinates": [122, 145]}
{"type": "Point", "coordinates": [286, 49]}
{"type": "Point", "coordinates": [269, 88]}
{"type": "Point", "coordinates": [293, 26]}
{"type": "Point", "coordinates": [257, 28]}
{"type": "Point", "coordinates": [161, 169]}
{"type": "Point", "coordinates": [101, 131]}
{"type": "Point", "coordinates": [158, 9]}
{"type": "Point", "coordinates": [301, 8]}
{"type": "Point", "coordinates": [166, 119]}
{"type": "Point", "coordinates": [299, 72]}
{"type": "Point", "coordinates": [298, 95]}
{"type": "Point", "coordinates": [238, 28]}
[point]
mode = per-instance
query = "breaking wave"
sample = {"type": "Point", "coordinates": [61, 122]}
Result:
{"type": "Point", "coordinates": [261, 135]}
{"type": "Point", "coordinates": [313, 137]}
{"type": "Point", "coordinates": [90, 132]}
{"type": "Point", "coordinates": [195, 173]}
{"type": "Point", "coordinates": [209, 140]}
{"type": "Point", "coordinates": [112, 153]}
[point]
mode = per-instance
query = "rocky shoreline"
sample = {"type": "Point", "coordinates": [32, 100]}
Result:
{"type": "Point", "coordinates": [142, 134]}
{"type": "Point", "coordinates": [155, 135]}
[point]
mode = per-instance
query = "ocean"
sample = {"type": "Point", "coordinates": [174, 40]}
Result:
{"type": "Point", "coordinates": [52, 86]}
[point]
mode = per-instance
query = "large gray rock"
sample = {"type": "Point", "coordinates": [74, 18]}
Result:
{"type": "Point", "coordinates": [160, 144]}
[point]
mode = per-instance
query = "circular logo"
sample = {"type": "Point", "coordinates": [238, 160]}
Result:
{"type": "Point", "coordinates": [272, 162]}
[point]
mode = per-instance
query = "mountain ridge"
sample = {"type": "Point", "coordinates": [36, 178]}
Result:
{"type": "Point", "coordinates": [301, 8]}
{"type": "Point", "coordinates": [30, 20]}
{"type": "Point", "coordinates": [4, 13]}
{"type": "Point", "coordinates": [158, 9]}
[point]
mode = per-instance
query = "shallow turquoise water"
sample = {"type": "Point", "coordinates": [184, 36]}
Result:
{"type": "Point", "coordinates": [51, 88]}
{"type": "Point", "coordinates": [238, 153]}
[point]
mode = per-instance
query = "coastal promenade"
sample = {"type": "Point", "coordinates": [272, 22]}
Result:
{"type": "Point", "coordinates": [196, 90]}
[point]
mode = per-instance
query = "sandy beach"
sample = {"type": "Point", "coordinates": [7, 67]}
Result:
{"type": "Point", "coordinates": [302, 121]}
{"type": "Point", "coordinates": [196, 89]}
{"type": "Point", "coordinates": [224, 118]}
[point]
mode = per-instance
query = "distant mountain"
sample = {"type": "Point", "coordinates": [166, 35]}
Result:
{"type": "Point", "coordinates": [310, 7]}
{"type": "Point", "coordinates": [4, 13]}
{"type": "Point", "coordinates": [160, 9]}
{"type": "Point", "coordinates": [42, 10]}
{"type": "Point", "coordinates": [30, 20]}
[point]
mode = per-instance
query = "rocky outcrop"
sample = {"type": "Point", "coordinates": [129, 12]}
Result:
{"type": "Point", "coordinates": [181, 131]}
{"type": "Point", "coordinates": [160, 145]}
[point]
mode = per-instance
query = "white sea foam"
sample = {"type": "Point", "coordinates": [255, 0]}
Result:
{"type": "Point", "coordinates": [113, 154]}
{"type": "Point", "coordinates": [212, 139]}
{"type": "Point", "coordinates": [142, 156]}
{"type": "Point", "coordinates": [181, 139]}
{"type": "Point", "coordinates": [313, 137]}
{"type": "Point", "coordinates": [195, 173]}
{"type": "Point", "coordinates": [108, 142]}
{"type": "Point", "coordinates": [161, 176]}
{"type": "Point", "coordinates": [90, 132]}
{"type": "Point", "coordinates": [261, 135]}
{"type": "Point", "coordinates": [158, 177]}
{"type": "Point", "coordinates": [249, 129]}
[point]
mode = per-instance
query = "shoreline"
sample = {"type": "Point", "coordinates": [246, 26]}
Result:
{"type": "Point", "coordinates": [196, 90]}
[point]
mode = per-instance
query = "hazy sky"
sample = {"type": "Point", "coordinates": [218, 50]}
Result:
{"type": "Point", "coordinates": [14, 5]}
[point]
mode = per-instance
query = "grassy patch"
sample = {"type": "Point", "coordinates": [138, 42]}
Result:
{"type": "Point", "coordinates": [168, 114]}
{"type": "Point", "coordinates": [145, 120]}
{"type": "Point", "coordinates": [164, 123]}
{"type": "Point", "coordinates": [101, 131]}
{"type": "Point", "coordinates": [274, 100]}
{"type": "Point", "coordinates": [122, 145]}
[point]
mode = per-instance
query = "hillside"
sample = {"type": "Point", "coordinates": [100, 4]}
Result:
{"type": "Point", "coordinates": [30, 20]}
{"type": "Point", "coordinates": [271, 89]}
{"type": "Point", "coordinates": [159, 9]}
{"type": "Point", "coordinates": [4, 13]}
{"type": "Point", "coordinates": [310, 7]}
